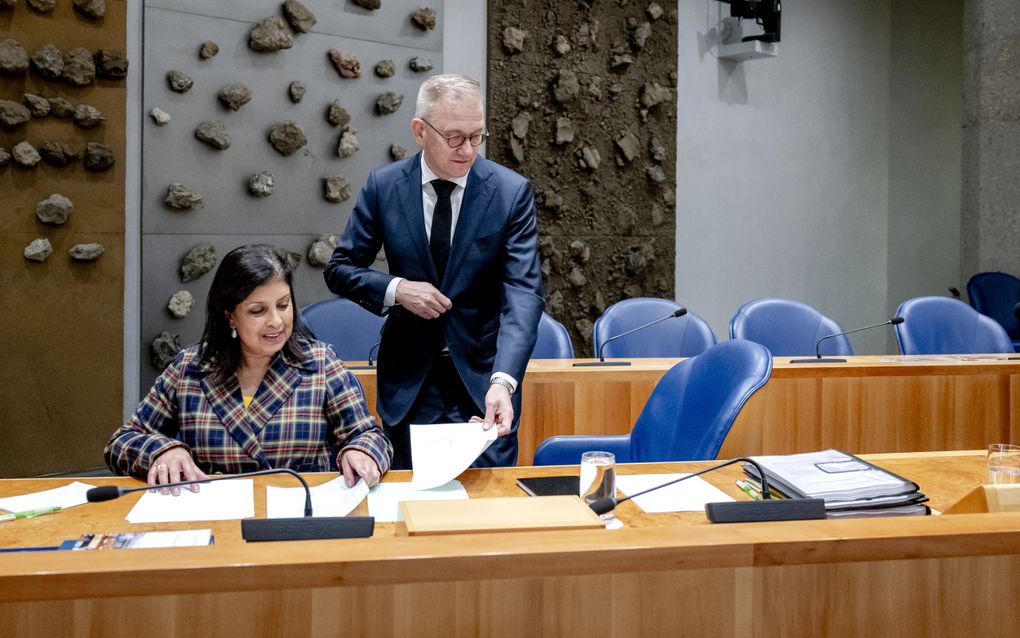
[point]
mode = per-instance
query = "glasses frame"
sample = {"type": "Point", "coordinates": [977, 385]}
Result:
{"type": "Point", "coordinates": [463, 138]}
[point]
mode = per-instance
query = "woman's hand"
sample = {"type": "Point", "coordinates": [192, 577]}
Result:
{"type": "Point", "coordinates": [355, 463]}
{"type": "Point", "coordinates": [174, 465]}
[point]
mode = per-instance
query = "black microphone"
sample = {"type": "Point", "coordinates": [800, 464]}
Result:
{"type": "Point", "coordinates": [767, 509]}
{"type": "Point", "coordinates": [679, 312]}
{"type": "Point", "coordinates": [265, 529]}
{"type": "Point", "coordinates": [895, 321]}
{"type": "Point", "coordinates": [1016, 311]}
{"type": "Point", "coordinates": [371, 359]}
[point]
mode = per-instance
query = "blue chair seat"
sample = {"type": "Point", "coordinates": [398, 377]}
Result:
{"type": "Point", "coordinates": [788, 328]}
{"type": "Point", "coordinates": [940, 325]}
{"type": "Point", "coordinates": [343, 324]}
{"type": "Point", "coordinates": [684, 336]}
{"type": "Point", "coordinates": [688, 414]}
{"type": "Point", "coordinates": [553, 340]}
{"type": "Point", "coordinates": [997, 295]}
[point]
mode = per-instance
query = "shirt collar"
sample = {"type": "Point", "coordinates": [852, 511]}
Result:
{"type": "Point", "coordinates": [427, 175]}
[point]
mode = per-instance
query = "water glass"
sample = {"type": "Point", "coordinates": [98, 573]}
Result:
{"type": "Point", "coordinates": [1003, 464]}
{"type": "Point", "coordinates": [598, 479]}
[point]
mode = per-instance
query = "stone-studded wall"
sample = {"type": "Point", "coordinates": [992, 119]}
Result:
{"type": "Point", "coordinates": [61, 69]}
{"type": "Point", "coordinates": [582, 100]}
{"type": "Point", "coordinates": [990, 228]}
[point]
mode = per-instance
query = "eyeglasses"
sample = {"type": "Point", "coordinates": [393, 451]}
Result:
{"type": "Point", "coordinates": [455, 141]}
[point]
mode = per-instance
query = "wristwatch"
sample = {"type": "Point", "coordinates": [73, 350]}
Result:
{"type": "Point", "coordinates": [503, 382]}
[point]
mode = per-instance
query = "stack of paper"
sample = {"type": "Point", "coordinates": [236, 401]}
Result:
{"type": "Point", "coordinates": [849, 485]}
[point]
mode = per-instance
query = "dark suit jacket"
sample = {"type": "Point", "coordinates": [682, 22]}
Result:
{"type": "Point", "coordinates": [492, 278]}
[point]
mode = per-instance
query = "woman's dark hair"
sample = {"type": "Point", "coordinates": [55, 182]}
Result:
{"type": "Point", "coordinates": [243, 270]}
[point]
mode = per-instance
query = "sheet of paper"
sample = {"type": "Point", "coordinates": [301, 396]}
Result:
{"type": "Point", "coordinates": [440, 452]}
{"type": "Point", "coordinates": [332, 498]}
{"type": "Point", "coordinates": [686, 496]}
{"type": "Point", "coordinates": [219, 501]}
{"type": "Point", "coordinates": [384, 499]}
{"type": "Point", "coordinates": [67, 496]}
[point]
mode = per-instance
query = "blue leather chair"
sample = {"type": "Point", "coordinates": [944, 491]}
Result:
{"type": "Point", "coordinates": [349, 328]}
{"type": "Point", "coordinates": [553, 340]}
{"type": "Point", "coordinates": [940, 325]}
{"type": "Point", "coordinates": [995, 295]}
{"type": "Point", "coordinates": [688, 414]}
{"type": "Point", "coordinates": [684, 336]}
{"type": "Point", "coordinates": [788, 328]}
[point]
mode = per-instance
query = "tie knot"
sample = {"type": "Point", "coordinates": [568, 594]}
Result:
{"type": "Point", "coordinates": [443, 187]}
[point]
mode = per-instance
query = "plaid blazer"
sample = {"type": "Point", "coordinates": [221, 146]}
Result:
{"type": "Point", "coordinates": [304, 414]}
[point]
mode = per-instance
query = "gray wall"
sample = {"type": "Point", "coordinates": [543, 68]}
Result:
{"type": "Point", "coordinates": [790, 180]}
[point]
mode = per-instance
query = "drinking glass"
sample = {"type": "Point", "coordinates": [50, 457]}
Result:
{"type": "Point", "coordinates": [598, 479]}
{"type": "Point", "coordinates": [1003, 464]}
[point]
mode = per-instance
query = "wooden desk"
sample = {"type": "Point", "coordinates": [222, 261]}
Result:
{"type": "Point", "coordinates": [662, 575]}
{"type": "Point", "coordinates": [870, 404]}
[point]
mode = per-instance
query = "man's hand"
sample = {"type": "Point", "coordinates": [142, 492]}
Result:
{"type": "Point", "coordinates": [421, 298]}
{"type": "Point", "coordinates": [498, 409]}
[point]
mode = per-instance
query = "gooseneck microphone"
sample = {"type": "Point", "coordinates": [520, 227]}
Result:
{"type": "Point", "coordinates": [895, 321]}
{"type": "Point", "coordinates": [767, 509]}
{"type": "Point", "coordinates": [265, 529]}
{"type": "Point", "coordinates": [371, 359]}
{"type": "Point", "coordinates": [679, 312]}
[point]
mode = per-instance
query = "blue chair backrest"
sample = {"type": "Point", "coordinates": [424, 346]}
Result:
{"type": "Point", "coordinates": [349, 328]}
{"type": "Point", "coordinates": [788, 328]}
{"type": "Point", "coordinates": [995, 294]}
{"type": "Point", "coordinates": [691, 409]}
{"type": "Point", "coordinates": [940, 325]}
{"type": "Point", "coordinates": [684, 336]}
{"type": "Point", "coordinates": [553, 340]}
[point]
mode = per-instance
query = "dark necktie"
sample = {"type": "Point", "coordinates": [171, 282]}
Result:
{"type": "Point", "coordinates": [442, 219]}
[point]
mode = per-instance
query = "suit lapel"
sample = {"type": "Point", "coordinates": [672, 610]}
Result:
{"type": "Point", "coordinates": [225, 401]}
{"type": "Point", "coordinates": [409, 204]}
{"type": "Point", "coordinates": [473, 208]}
{"type": "Point", "coordinates": [275, 390]}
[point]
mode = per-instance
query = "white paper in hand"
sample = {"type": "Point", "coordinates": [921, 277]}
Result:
{"type": "Point", "coordinates": [441, 451]}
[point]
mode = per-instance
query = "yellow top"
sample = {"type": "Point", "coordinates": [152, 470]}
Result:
{"type": "Point", "coordinates": [247, 400]}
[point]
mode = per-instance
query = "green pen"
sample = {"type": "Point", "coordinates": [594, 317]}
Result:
{"type": "Point", "coordinates": [750, 491]}
{"type": "Point", "coordinates": [29, 513]}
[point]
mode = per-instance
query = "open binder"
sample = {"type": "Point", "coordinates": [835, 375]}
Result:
{"type": "Point", "coordinates": [849, 485]}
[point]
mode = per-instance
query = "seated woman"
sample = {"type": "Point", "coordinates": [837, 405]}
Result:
{"type": "Point", "coordinates": [257, 392]}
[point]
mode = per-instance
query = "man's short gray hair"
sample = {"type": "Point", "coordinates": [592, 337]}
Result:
{"type": "Point", "coordinates": [440, 87]}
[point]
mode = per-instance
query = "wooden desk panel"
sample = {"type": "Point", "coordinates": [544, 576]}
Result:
{"type": "Point", "coordinates": [870, 404]}
{"type": "Point", "coordinates": [662, 575]}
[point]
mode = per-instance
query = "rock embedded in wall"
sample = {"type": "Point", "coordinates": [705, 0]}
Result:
{"type": "Point", "coordinates": [234, 95]}
{"type": "Point", "coordinates": [513, 39]}
{"type": "Point", "coordinates": [296, 91]}
{"type": "Point", "coordinates": [59, 154]}
{"type": "Point", "coordinates": [269, 35]}
{"type": "Point", "coordinates": [179, 81]}
{"type": "Point", "coordinates": [90, 251]}
{"type": "Point", "coordinates": [424, 18]}
{"type": "Point", "coordinates": [94, 9]}
{"type": "Point", "coordinates": [346, 64]}
{"type": "Point", "coordinates": [54, 210]}
{"type": "Point", "coordinates": [320, 251]}
{"type": "Point", "coordinates": [337, 188]}
{"type": "Point", "coordinates": [388, 103]}
{"type": "Point", "coordinates": [287, 138]}
{"type": "Point", "coordinates": [87, 116]}
{"type": "Point", "coordinates": [300, 18]}
{"type": "Point", "coordinates": [25, 155]}
{"type": "Point", "coordinates": [261, 184]}
{"type": "Point", "coordinates": [197, 262]}
{"type": "Point", "coordinates": [397, 152]}
{"type": "Point", "coordinates": [159, 116]}
{"type": "Point", "coordinates": [385, 68]}
{"type": "Point", "coordinates": [98, 157]}
{"type": "Point", "coordinates": [164, 349]}
{"type": "Point", "coordinates": [180, 304]}
{"type": "Point", "coordinates": [13, 114]}
{"type": "Point", "coordinates": [5, 158]}
{"type": "Point", "coordinates": [60, 107]}
{"type": "Point", "coordinates": [13, 57]}
{"type": "Point", "coordinates": [38, 250]}
{"type": "Point", "coordinates": [180, 197]}
{"type": "Point", "coordinates": [349, 144]}
{"type": "Point", "coordinates": [337, 115]}
{"type": "Point", "coordinates": [371, 5]}
{"type": "Point", "coordinates": [47, 61]}
{"type": "Point", "coordinates": [79, 68]}
{"type": "Point", "coordinates": [37, 105]}
{"type": "Point", "coordinates": [43, 6]}
{"type": "Point", "coordinates": [418, 64]}
{"type": "Point", "coordinates": [111, 64]}
{"type": "Point", "coordinates": [208, 50]}
{"type": "Point", "coordinates": [289, 257]}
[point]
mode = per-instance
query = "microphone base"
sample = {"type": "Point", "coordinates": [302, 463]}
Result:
{"type": "Point", "coordinates": [817, 360]}
{"type": "Point", "coordinates": [773, 509]}
{"type": "Point", "coordinates": [307, 528]}
{"type": "Point", "coordinates": [597, 364]}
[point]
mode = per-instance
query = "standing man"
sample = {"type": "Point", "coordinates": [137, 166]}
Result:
{"type": "Point", "coordinates": [464, 290]}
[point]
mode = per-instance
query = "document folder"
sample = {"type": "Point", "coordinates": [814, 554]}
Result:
{"type": "Point", "coordinates": [505, 514]}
